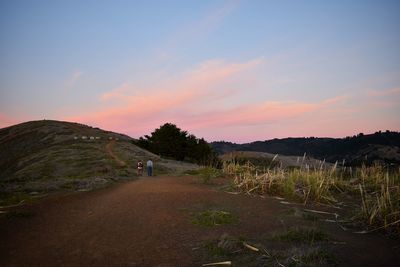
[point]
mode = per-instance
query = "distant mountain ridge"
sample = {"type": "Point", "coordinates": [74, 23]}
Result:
{"type": "Point", "coordinates": [382, 146]}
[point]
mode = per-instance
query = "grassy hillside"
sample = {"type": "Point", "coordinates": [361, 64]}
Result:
{"type": "Point", "coordinates": [53, 155]}
{"type": "Point", "coordinates": [268, 160]}
{"type": "Point", "coordinates": [383, 146]}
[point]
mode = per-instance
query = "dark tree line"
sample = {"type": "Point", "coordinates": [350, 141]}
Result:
{"type": "Point", "coordinates": [171, 142]}
{"type": "Point", "coordinates": [351, 148]}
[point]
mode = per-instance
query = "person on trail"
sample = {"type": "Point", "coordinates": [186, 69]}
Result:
{"type": "Point", "coordinates": [149, 167]}
{"type": "Point", "coordinates": [140, 168]}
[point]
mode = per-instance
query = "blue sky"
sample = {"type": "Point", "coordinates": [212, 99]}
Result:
{"type": "Point", "coordinates": [232, 70]}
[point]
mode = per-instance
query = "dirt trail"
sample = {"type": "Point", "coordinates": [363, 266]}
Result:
{"type": "Point", "coordinates": [110, 150]}
{"type": "Point", "coordinates": [148, 223]}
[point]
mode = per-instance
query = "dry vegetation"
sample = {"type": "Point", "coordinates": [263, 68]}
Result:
{"type": "Point", "coordinates": [377, 188]}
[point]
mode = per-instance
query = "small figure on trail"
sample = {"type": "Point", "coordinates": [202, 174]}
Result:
{"type": "Point", "coordinates": [140, 168]}
{"type": "Point", "coordinates": [149, 167]}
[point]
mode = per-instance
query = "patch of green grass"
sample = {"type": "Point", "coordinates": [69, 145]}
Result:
{"type": "Point", "coordinates": [192, 172]}
{"type": "Point", "coordinates": [302, 235]}
{"type": "Point", "coordinates": [209, 173]}
{"type": "Point", "coordinates": [214, 217]}
{"type": "Point", "coordinates": [206, 173]}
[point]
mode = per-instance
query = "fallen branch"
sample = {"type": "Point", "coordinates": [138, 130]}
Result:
{"type": "Point", "coordinates": [250, 247]}
{"type": "Point", "coordinates": [322, 212]}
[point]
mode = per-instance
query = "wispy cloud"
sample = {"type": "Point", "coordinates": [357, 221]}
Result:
{"type": "Point", "coordinates": [74, 78]}
{"type": "Point", "coordinates": [187, 101]}
{"type": "Point", "coordinates": [196, 31]}
{"type": "Point", "coordinates": [389, 92]}
{"type": "Point", "coordinates": [208, 81]}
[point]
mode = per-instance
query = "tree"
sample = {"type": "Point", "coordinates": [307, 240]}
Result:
{"type": "Point", "coordinates": [170, 141]}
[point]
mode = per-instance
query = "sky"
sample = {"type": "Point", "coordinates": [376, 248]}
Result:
{"type": "Point", "coordinates": [237, 71]}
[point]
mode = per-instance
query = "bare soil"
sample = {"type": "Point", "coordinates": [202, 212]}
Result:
{"type": "Point", "coordinates": [148, 223]}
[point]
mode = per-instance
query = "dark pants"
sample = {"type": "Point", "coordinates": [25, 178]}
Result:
{"type": "Point", "coordinates": [149, 171]}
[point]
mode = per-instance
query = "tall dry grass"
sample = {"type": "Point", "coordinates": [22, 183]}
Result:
{"type": "Point", "coordinates": [379, 187]}
{"type": "Point", "coordinates": [303, 183]}
{"type": "Point", "coordinates": [380, 197]}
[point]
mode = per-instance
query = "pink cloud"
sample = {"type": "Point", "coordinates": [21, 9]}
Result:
{"type": "Point", "coordinates": [375, 93]}
{"type": "Point", "coordinates": [145, 106]}
{"type": "Point", "coordinates": [6, 121]}
{"type": "Point", "coordinates": [250, 114]}
{"type": "Point", "coordinates": [199, 101]}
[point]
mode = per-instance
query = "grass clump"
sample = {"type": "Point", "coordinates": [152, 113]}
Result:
{"type": "Point", "coordinates": [206, 174]}
{"type": "Point", "coordinates": [310, 256]}
{"type": "Point", "coordinates": [377, 185]}
{"type": "Point", "coordinates": [304, 184]}
{"type": "Point", "coordinates": [211, 218]}
{"type": "Point", "coordinates": [380, 197]}
{"type": "Point", "coordinates": [192, 172]}
{"type": "Point", "coordinates": [209, 173]}
{"type": "Point", "coordinates": [302, 235]}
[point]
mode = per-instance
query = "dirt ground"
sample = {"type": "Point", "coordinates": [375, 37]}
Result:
{"type": "Point", "coordinates": [148, 223]}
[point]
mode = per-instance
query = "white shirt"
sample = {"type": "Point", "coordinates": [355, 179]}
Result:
{"type": "Point", "coordinates": [149, 163]}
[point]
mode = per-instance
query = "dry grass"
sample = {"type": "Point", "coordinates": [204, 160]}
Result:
{"type": "Point", "coordinates": [380, 197]}
{"type": "Point", "coordinates": [300, 183]}
{"type": "Point", "coordinates": [379, 187]}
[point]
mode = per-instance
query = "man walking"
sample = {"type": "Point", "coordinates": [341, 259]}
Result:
{"type": "Point", "coordinates": [149, 167]}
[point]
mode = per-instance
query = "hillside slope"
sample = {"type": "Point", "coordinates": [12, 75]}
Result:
{"type": "Point", "coordinates": [50, 155]}
{"type": "Point", "coordinates": [265, 159]}
{"type": "Point", "coordinates": [383, 146]}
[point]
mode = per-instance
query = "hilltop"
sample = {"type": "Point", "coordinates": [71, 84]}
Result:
{"type": "Point", "coordinates": [51, 155]}
{"type": "Point", "coordinates": [382, 146]}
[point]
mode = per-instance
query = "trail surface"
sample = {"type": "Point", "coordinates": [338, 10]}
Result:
{"type": "Point", "coordinates": [148, 223]}
{"type": "Point", "coordinates": [110, 150]}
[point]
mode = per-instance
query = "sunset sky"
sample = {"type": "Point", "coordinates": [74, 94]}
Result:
{"type": "Point", "coordinates": [238, 71]}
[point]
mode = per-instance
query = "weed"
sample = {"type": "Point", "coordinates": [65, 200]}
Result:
{"type": "Point", "coordinates": [302, 235]}
{"type": "Point", "coordinates": [214, 217]}
{"type": "Point", "coordinates": [192, 172]}
{"type": "Point", "coordinates": [209, 173]}
{"type": "Point", "coordinates": [311, 256]}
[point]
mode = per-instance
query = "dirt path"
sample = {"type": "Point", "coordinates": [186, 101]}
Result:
{"type": "Point", "coordinates": [110, 150]}
{"type": "Point", "coordinates": [148, 223]}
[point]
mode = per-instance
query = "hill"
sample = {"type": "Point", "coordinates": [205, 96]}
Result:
{"type": "Point", "coordinates": [382, 146]}
{"type": "Point", "coordinates": [50, 155]}
{"type": "Point", "coordinates": [264, 159]}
